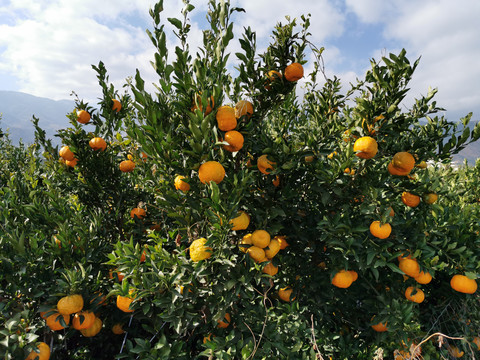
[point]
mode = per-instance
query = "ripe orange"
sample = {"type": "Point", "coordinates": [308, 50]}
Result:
{"type": "Point", "coordinates": [235, 140]}
{"type": "Point", "coordinates": [272, 76]}
{"type": "Point", "coordinates": [418, 297]}
{"type": "Point", "coordinates": [260, 238]}
{"type": "Point", "coordinates": [283, 241]}
{"type": "Point", "coordinates": [211, 171]}
{"type": "Point", "coordinates": [117, 329]}
{"type": "Point", "coordinates": [94, 329]}
{"type": "Point", "coordinates": [270, 269]}
{"type": "Point", "coordinates": [403, 161]}
{"type": "Point", "coordinates": [127, 166]}
{"type": "Point", "coordinates": [123, 303]}
{"type": "Point", "coordinates": [430, 198]}
{"type": "Point", "coordinates": [180, 184]}
{"type": "Point", "coordinates": [463, 284]}
{"type": "Point", "coordinates": [42, 354]}
{"type": "Point", "coordinates": [97, 143]}
{"type": "Point", "coordinates": [224, 324]}
{"type": "Point", "coordinates": [272, 249]}
{"type": "Point", "coordinates": [265, 165]}
{"type": "Point", "coordinates": [199, 251]}
{"type": "Point", "coordinates": [342, 279]}
{"type": "Point", "coordinates": [380, 231]}
{"type": "Point", "coordinates": [66, 153]}
{"type": "Point", "coordinates": [276, 181]}
{"type": "Point", "coordinates": [476, 341]}
{"type": "Point", "coordinates": [455, 352]}
{"type": "Point", "coordinates": [257, 254]}
{"type": "Point", "coordinates": [353, 274]}
{"type": "Point", "coordinates": [423, 278]}
{"type": "Point", "coordinates": [116, 105]}
{"type": "Point", "coordinates": [83, 117]}
{"type": "Point", "coordinates": [410, 199]}
{"type": "Point", "coordinates": [293, 72]}
{"type": "Point", "coordinates": [410, 267]}
{"type": "Point", "coordinates": [210, 104]}
{"type": "Point", "coordinates": [70, 304]}
{"type": "Point", "coordinates": [240, 222]}
{"type": "Point", "coordinates": [242, 108]}
{"type": "Point", "coordinates": [380, 327]}
{"type": "Point", "coordinates": [71, 163]}
{"type": "Point", "coordinates": [226, 119]}
{"type": "Point", "coordinates": [331, 155]}
{"type": "Point", "coordinates": [83, 320]}
{"type": "Point", "coordinates": [285, 294]}
{"type": "Point", "coordinates": [394, 171]}
{"type": "Point", "coordinates": [53, 321]}
{"type": "Point", "coordinates": [247, 241]}
{"type": "Point", "coordinates": [138, 213]}
{"type": "Point", "coordinates": [366, 146]}
{"type": "Point", "coordinates": [208, 338]}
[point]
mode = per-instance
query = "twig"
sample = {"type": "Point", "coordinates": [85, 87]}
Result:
{"type": "Point", "coordinates": [315, 347]}
{"type": "Point", "coordinates": [257, 344]}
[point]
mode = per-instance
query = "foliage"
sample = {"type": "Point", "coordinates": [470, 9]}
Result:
{"type": "Point", "coordinates": [69, 230]}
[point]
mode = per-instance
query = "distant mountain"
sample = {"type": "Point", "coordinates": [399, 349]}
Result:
{"type": "Point", "coordinates": [17, 111]}
{"type": "Point", "coordinates": [18, 108]}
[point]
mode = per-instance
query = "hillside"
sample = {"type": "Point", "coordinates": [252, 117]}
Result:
{"type": "Point", "coordinates": [17, 111]}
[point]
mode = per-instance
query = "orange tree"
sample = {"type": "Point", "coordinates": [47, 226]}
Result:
{"type": "Point", "coordinates": [238, 220]}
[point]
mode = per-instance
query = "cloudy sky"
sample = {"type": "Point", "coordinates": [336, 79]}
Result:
{"type": "Point", "coordinates": [47, 46]}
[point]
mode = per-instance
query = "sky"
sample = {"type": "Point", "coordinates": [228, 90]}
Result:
{"type": "Point", "coordinates": [47, 47]}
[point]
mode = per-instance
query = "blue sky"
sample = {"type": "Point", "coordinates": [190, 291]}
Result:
{"type": "Point", "coordinates": [47, 46]}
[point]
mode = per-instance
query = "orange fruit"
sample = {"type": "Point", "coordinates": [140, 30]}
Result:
{"type": "Point", "coordinates": [276, 181]}
{"type": "Point", "coordinates": [410, 199]}
{"type": "Point", "coordinates": [127, 166]}
{"type": "Point", "coordinates": [138, 213]}
{"type": "Point", "coordinates": [211, 171]}
{"type": "Point", "coordinates": [83, 117]}
{"type": "Point", "coordinates": [265, 165]}
{"type": "Point", "coordinates": [224, 324]}
{"type": "Point", "coordinates": [283, 242]}
{"type": "Point", "coordinates": [380, 231]}
{"type": "Point", "coordinates": [423, 278]}
{"type": "Point", "coordinates": [366, 146]}
{"type": "Point", "coordinates": [394, 171]}
{"type": "Point", "coordinates": [353, 274]}
{"type": "Point", "coordinates": [71, 163]}
{"type": "Point", "coordinates": [243, 108]}
{"type": "Point", "coordinates": [418, 295]}
{"type": "Point", "coordinates": [455, 352]}
{"type": "Point", "coordinates": [257, 254]}
{"type": "Point", "coordinates": [83, 320]}
{"type": "Point", "coordinates": [246, 240]}
{"type": "Point", "coordinates": [342, 279]}
{"type": "Point", "coordinates": [285, 294]}
{"type": "Point", "coordinates": [403, 161]}
{"type": "Point", "coordinates": [42, 354]}
{"type": "Point", "coordinates": [260, 238]}
{"type": "Point", "coordinates": [180, 184]}
{"type": "Point", "coordinates": [430, 198]}
{"type": "Point", "coordinates": [226, 119]}
{"type": "Point", "coordinates": [199, 251]}
{"type": "Point", "coordinates": [116, 105]}
{"type": "Point", "coordinates": [270, 269]}
{"type": "Point", "coordinates": [240, 222]}
{"type": "Point", "coordinates": [123, 303]}
{"type": "Point", "coordinates": [422, 165]}
{"type": "Point", "coordinates": [234, 139]}
{"type": "Point", "coordinates": [210, 105]}
{"type": "Point", "coordinates": [380, 327]}
{"type": "Point", "coordinates": [293, 72]}
{"type": "Point", "coordinates": [66, 153]}
{"type": "Point", "coordinates": [463, 284]}
{"type": "Point", "coordinates": [476, 341]}
{"type": "Point", "coordinates": [331, 155]}
{"type": "Point", "coordinates": [272, 76]}
{"type": "Point", "coordinates": [410, 267]}
{"type": "Point", "coordinates": [70, 304]}
{"type": "Point", "coordinates": [53, 321]}
{"type": "Point", "coordinates": [97, 143]}
{"type": "Point", "coordinates": [309, 159]}
{"type": "Point", "coordinates": [117, 329]}
{"type": "Point", "coordinates": [272, 249]}
{"type": "Point", "coordinates": [94, 329]}
{"type": "Point", "coordinates": [208, 338]}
